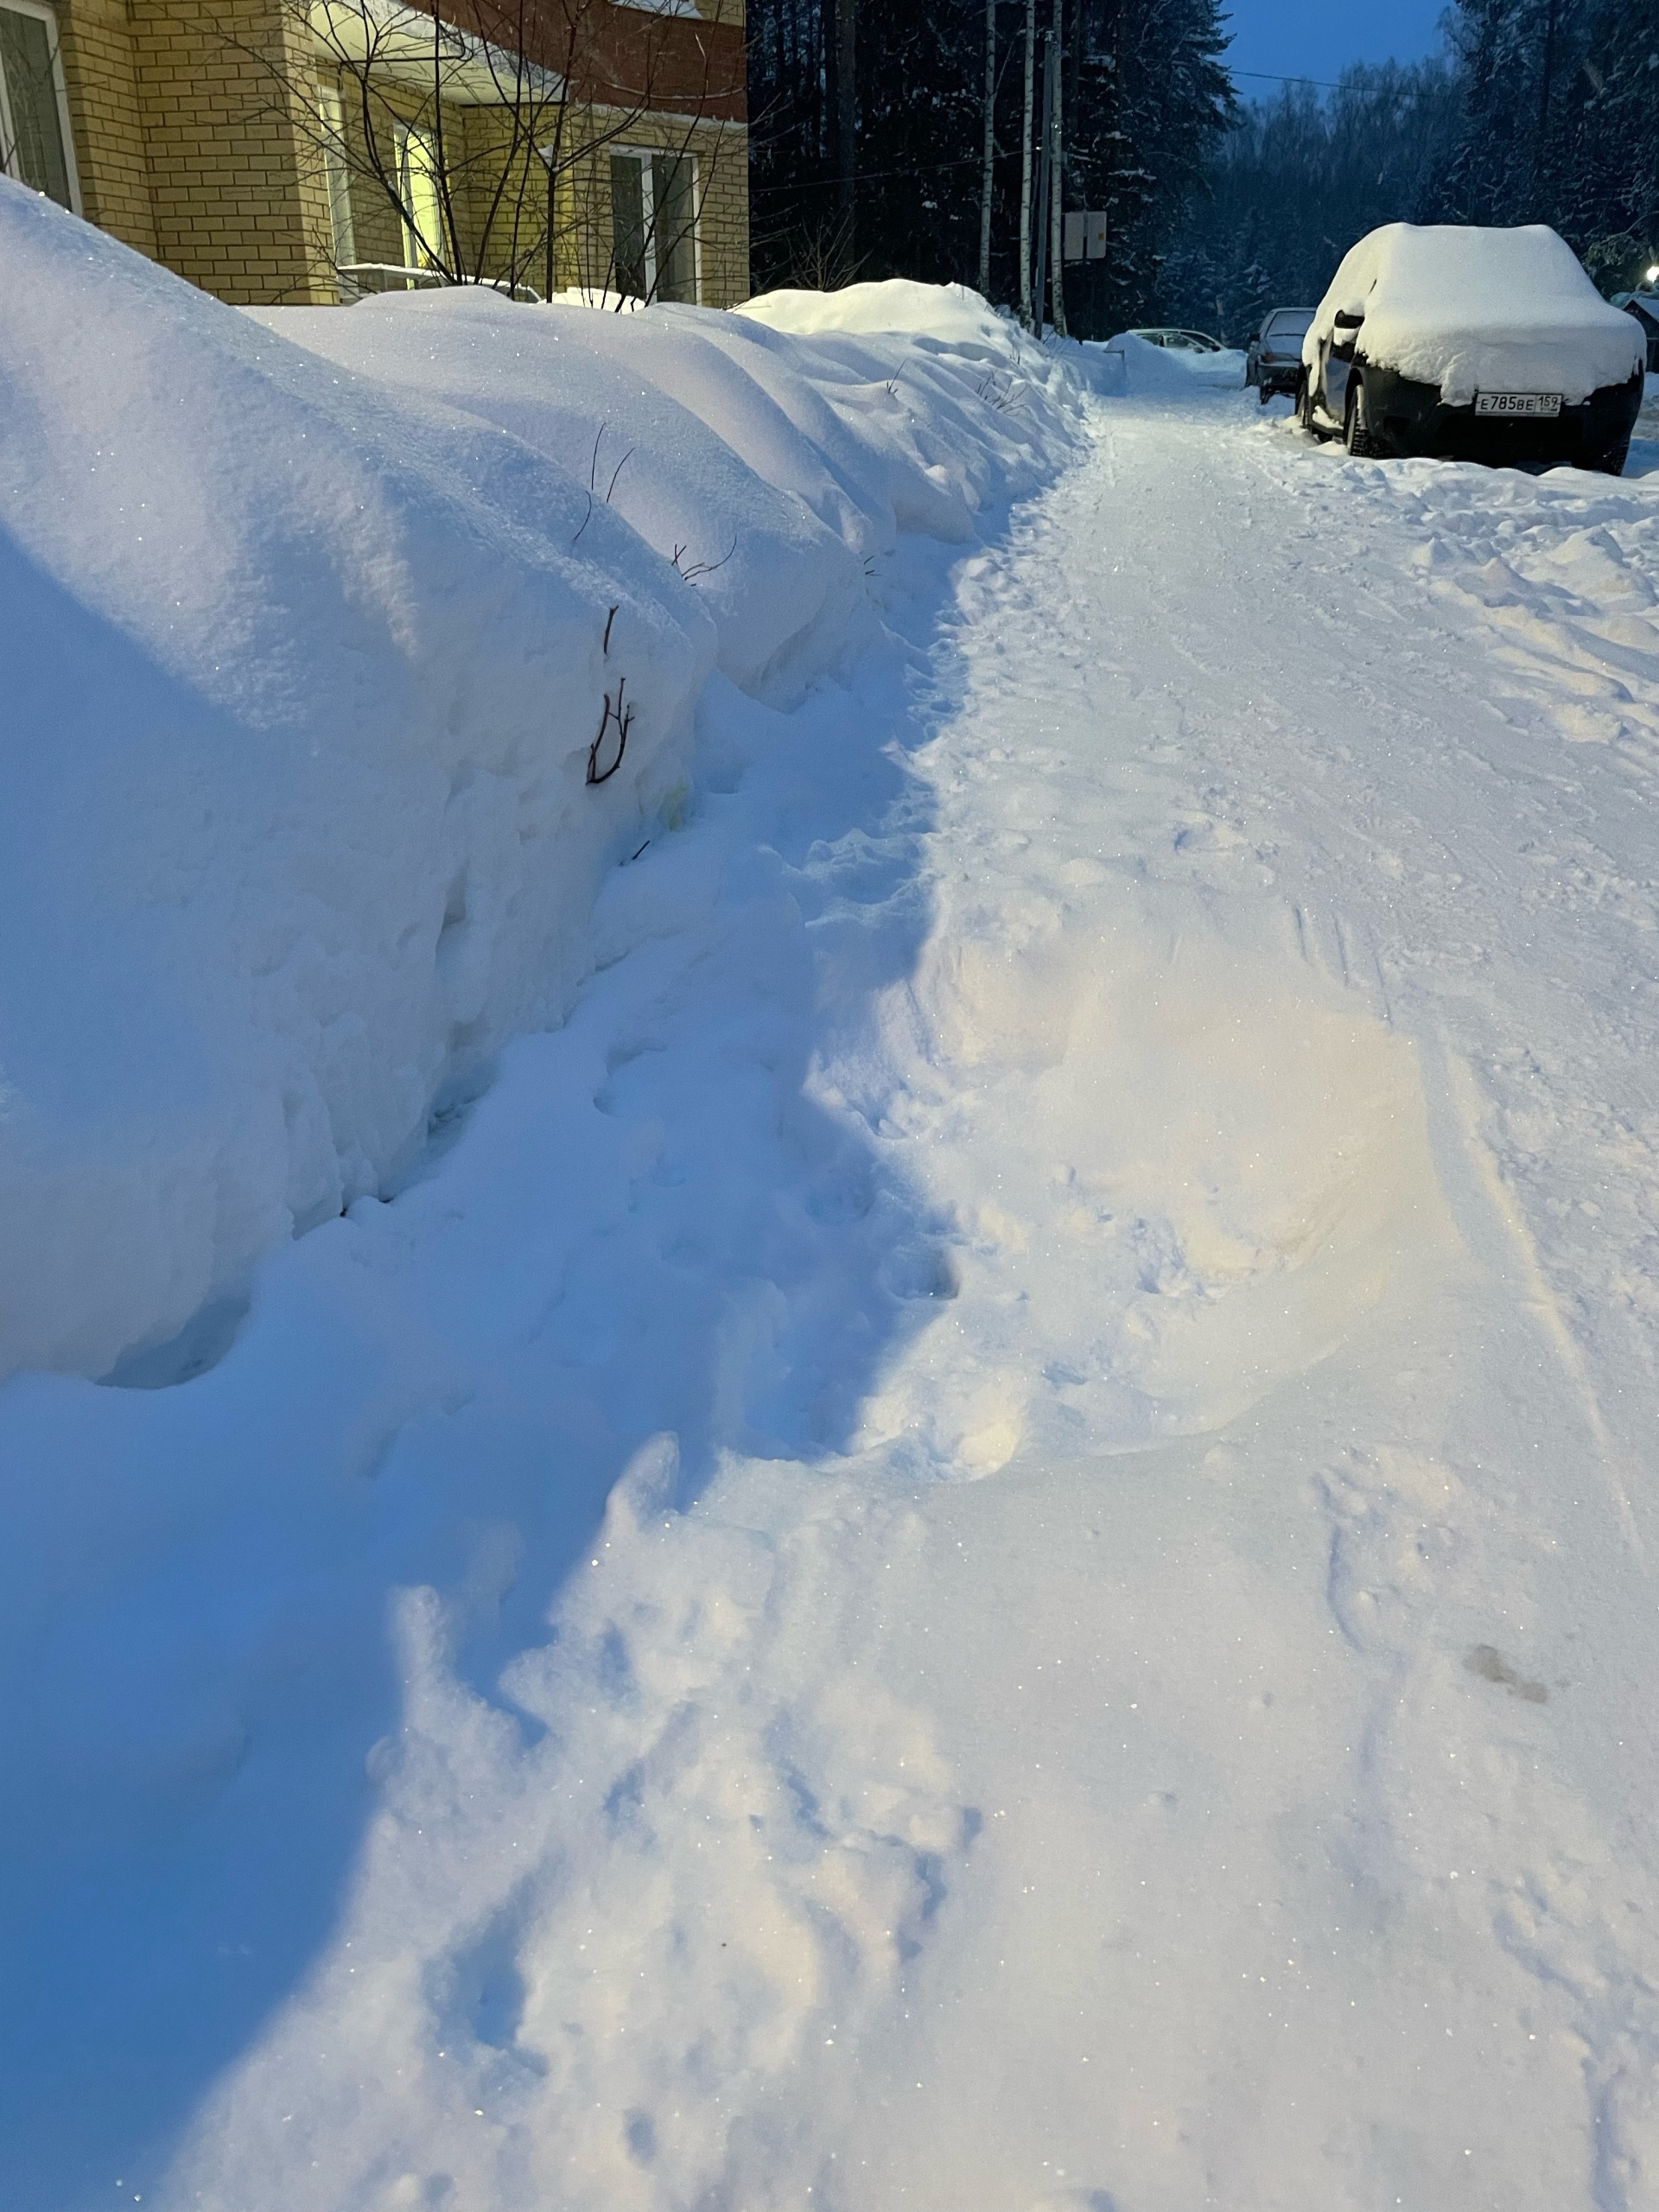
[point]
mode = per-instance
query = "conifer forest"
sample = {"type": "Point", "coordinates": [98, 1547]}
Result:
{"type": "Point", "coordinates": [872, 156]}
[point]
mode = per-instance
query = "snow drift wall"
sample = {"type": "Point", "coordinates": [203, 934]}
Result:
{"type": "Point", "coordinates": [304, 669]}
{"type": "Point", "coordinates": [768, 453]}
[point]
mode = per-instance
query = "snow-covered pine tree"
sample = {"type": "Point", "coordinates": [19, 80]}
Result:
{"type": "Point", "coordinates": [795, 225]}
{"type": "Point", "coordinates": [1606, 197]}
{"type": "Point", "coordinates": [1297, 181]}
{"type": "Point", "coordinates": [1145, 96]}
{"type": "Point", "coordinates": [1517, 59]}
{"type": "Point", "coordinates": [1152, 99]}
{"type": "Point", "coordinates": [1561, 125]}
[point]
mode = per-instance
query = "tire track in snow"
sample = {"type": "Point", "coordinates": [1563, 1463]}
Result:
{"type": "Point", "coordinates": [1613, 2018]}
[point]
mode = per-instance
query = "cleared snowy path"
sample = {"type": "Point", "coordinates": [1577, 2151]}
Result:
{"type": "Point", "coordinates": [1139, 1205]}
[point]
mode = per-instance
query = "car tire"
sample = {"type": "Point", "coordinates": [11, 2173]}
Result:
{"type": "Point", "coordinates": [1611, 463]}
{"type": "Point", "coordinates": [1262, 394]}
{"type": "Point", "coordinates": [1356, 429]}
{"type": "Point", "coordinates": [1305, 406]}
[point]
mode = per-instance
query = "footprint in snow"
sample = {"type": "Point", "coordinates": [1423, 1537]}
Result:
{"type": "Point", "coordinates": [1486, 1660]}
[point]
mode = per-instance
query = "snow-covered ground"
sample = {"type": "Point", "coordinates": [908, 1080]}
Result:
{"type": "Point", "coordinates": [985, 1541]}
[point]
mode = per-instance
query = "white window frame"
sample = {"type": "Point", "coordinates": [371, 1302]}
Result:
{"type": "Point", "coordinates": [337, 174]}
{"type": "Point", "coordinates": [431, 150]}
{"type": "Point", "coordinates": [8, 133]}
{"type": "Point", "coordinates": [645, 155]}
{"type": "Point", "coordinates": [697, 227]}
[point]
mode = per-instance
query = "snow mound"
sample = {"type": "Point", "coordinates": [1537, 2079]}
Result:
{"type": "Point", "coordinates": [949, 313]}
{"type": "Point", "coordinates": [777, 568]}
{"type": "Point", "coordinates": [297, 827]}
{"type": "Point", "coordinates": [328, 641]}
{"type": "Point", "coordinates": [769, 471]}
{"type": "Point", "coordinates": [932, 429]}
{"type": "Point", "coordinates": [1479, 310]}
{"type": "Point", "coordinates": [1150, 369]}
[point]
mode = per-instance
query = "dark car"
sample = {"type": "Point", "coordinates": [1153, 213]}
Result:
{"type": "Point", "coordinates": [1274, 363]}
{"type": "Point", "coordinates": [1471, 344]}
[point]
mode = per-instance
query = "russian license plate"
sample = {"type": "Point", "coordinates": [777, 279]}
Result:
{"type": "Point", "coordinates": [1522, 403]}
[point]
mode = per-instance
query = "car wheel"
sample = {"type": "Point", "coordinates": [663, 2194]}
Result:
{"type": "Point", "coordinates": [1356, 429]}
{"type": "Point", "coordinates": [1305, 406]}
{"type": "Point", "coordinates": [1611, 463]}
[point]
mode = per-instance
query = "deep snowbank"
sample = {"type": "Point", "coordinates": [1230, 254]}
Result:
{"type": "Point", "coordinates": [768, 470]}
{"type": "Point", "coordinates": [946, 314]}
{"type": "Point", "coordinates": [298, 822]}
{"type": "Point", "coordinates": [1479, 310]}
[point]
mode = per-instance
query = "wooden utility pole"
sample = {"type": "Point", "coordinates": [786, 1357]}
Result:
{"type": "Point", "coordinates": [989, 174]}
{"type": "Point", "coordinates": [1025, 164]}
{"type": "Point", "coordinates": [1040, 286]}
{"type": "Point", "coordinates": [1056, 185]}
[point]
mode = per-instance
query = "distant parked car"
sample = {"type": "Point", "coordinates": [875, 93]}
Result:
{"type": "Point", "coordinates": [1479, 345]}
{"type": "Point", "coordinates": [1275, 362]}
{"type": "Point", "coordinates": [1181, 341]}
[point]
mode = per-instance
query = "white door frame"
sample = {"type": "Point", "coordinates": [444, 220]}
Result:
{"type": "Point", "coordinates": [645, 155]}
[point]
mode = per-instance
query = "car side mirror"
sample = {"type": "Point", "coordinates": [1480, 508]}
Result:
{"type": "Point", "coordinates": [1346, 321]}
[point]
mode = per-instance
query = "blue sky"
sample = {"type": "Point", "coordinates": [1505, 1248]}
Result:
{"type": "Point", "coordinates": [1310, 38]}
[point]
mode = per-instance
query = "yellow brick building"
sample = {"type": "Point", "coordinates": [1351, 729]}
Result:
{"type": "Point", "coordinates": [303, 151]}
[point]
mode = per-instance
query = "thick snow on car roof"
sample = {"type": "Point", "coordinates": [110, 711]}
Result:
{"type": "Point", "coordinates": [1479, 310]}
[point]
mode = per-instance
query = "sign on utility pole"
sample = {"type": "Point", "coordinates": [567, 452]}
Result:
{"type": "Point", "coordinates": [1086, 234]}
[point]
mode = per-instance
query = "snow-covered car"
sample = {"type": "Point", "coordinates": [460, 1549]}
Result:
{"type": "Point", "coordinates": [1481, 344]}
{"type": "Point", "coordinates": [1181, 341]}
{"type": "Point", "coordinates": [1274, 361]}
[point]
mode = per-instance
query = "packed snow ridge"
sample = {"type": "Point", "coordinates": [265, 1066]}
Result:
{"type": "Point", "coordinates": [361, 646]}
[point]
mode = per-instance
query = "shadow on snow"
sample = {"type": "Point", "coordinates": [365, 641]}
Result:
{"type": "Point", "coordinates": [647, 1224]}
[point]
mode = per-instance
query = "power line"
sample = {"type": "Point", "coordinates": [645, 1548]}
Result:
{"type": "Point", "coordinates": [1268, 77]}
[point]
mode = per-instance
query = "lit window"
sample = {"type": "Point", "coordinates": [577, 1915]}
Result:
{"type": "Point", "coordinates": [654, 226]}
{"type": "Point", "coordinates": [36, 146]}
